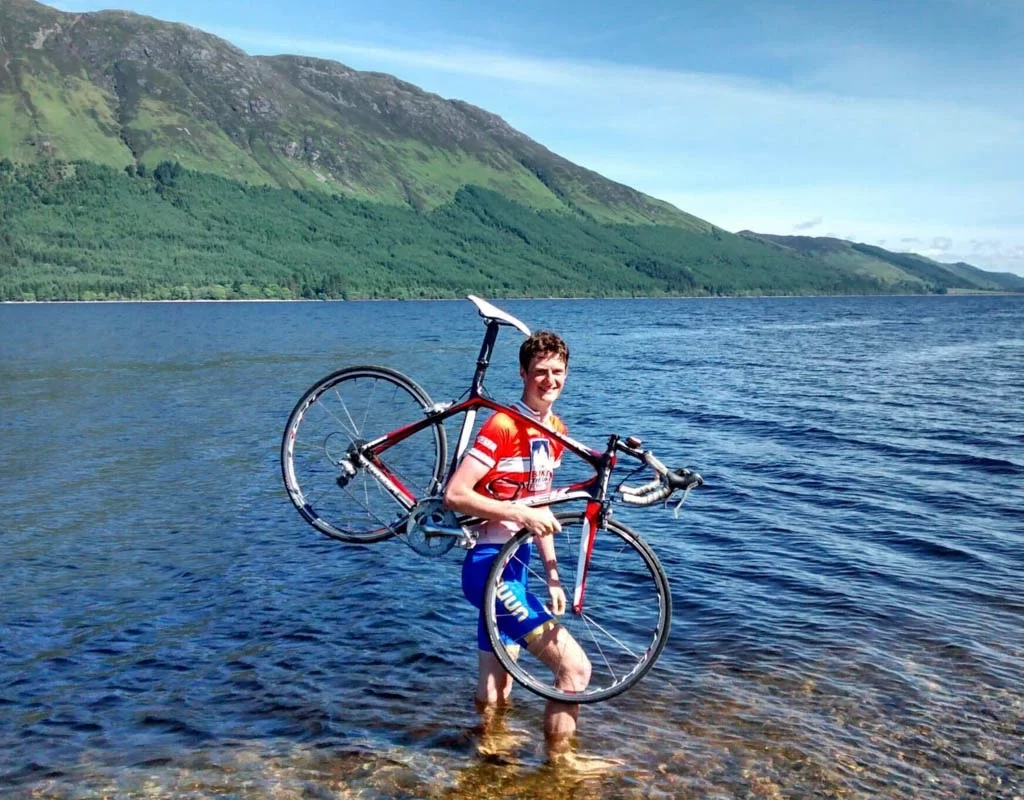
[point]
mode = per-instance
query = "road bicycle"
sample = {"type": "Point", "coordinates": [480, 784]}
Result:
{"type": "Point", "coordinates": [364, 457]}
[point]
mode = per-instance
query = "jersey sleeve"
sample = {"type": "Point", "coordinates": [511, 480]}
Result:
{"type": "Point", "coordinates": [492, 440]}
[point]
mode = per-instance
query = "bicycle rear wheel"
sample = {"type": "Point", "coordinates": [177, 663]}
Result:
{"type": "Point", "coordinates": [624, 622]}
{"type": "Point", "coordinates": [357, 405]}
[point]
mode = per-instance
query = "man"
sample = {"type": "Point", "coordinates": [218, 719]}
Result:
{"type": "Point", "coordinates": [508, 461]}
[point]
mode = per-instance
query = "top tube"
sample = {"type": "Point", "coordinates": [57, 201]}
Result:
{"type": "Point", "coordinates": [492, 313]}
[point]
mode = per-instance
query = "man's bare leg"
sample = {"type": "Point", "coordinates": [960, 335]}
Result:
{"type": "Point", "coordinates": [571, 667]}
{"type": "Point", "coordinates": [494, 684]}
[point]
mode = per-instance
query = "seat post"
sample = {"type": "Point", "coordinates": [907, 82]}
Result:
{"type": "Point", "coordinates": [484, 359]}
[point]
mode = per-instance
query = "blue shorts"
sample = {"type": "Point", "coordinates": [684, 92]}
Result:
{"type": "Point", "coordinates": [519, 611]}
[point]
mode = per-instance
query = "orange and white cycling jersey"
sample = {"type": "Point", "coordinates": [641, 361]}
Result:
{"type": "Point", "coordinates": [521, 460]}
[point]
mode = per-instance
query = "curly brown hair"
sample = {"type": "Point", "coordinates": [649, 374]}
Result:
{"type": "Point", "coordinates": [543, 343]}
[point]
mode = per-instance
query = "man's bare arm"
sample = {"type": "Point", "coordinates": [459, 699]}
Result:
{"type": "Point", "coordinates": [461, 496]}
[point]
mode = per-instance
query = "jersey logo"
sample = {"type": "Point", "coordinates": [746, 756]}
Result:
{"type": "Point", "coordinates": [542, 465]}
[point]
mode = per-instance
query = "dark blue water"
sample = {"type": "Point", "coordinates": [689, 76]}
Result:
{"type": "Point", "coordinates": [849, 586]}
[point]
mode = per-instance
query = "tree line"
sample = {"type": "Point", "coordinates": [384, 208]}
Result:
{"type": "Point", "coordinates": [81, 231]}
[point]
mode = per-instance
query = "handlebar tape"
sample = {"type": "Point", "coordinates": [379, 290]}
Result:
{"type": "Point", "coordinates": [669, 481]}
{"type": "Point", "coordinates": [649, 498]}
{"type": "Point", "coordinates": [647, 487]}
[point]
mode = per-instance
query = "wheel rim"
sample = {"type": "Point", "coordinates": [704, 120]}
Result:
{"type": "Point", "coordinates": [624, 623]}
{"type": "Point", "coordinates": [357, 406]}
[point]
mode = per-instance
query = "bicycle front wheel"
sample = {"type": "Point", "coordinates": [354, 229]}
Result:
{"type": "Point", "coordinates": [354, 406]}
{"type": "Point", "coordinates": [622, 626]}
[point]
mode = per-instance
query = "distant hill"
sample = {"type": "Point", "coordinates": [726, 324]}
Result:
{"type": "Point", "coordinates": [145, 159]}
{"type": "Point", "coordinates": [898, 271]}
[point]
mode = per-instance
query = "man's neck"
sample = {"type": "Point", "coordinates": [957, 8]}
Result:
{"type": "Point", "coordinates": [542, 413]}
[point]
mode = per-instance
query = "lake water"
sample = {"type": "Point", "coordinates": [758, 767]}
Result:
{"type": "Point", "coordinates": [848, 587]}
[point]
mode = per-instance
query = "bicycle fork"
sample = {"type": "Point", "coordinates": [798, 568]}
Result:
{"type": "Point", "coordinates": [591, 520]}
{"type": "Point", "coordinates": [593, 517]}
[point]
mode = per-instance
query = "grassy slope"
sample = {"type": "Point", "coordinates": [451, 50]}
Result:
{"type": "Point", "coordinates": [119, 89]}
{"type": "Point", "coordinates": [76, 116]}
{"type": "Point", "coordinates": [77, 121]}
{"type": "Point", "coordinates": [17, 136]}
{"type": "Point", "coordinates": [989, 280]}
{"type": "Point", "coordinates": [895, 272]}
{"type": "Point", "coordinates": [81, 231]}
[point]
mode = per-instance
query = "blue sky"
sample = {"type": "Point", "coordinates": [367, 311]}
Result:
{"type": "Point", "coordinates": [893, 123]}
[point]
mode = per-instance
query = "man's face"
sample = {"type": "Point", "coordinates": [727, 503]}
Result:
{"type": "Point", "coordinates": [543, 381]}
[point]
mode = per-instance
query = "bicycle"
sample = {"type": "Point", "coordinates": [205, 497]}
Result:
{"type": "Point", "coordinates": [364, 457]}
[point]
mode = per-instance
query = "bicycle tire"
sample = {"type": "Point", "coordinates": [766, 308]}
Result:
{"type": "Point", "coordinates": [358, 404]}
{"type": "Point", "coordinates": [625, 619]}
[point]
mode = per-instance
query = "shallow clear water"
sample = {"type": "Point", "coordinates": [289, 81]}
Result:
{"type": "Point", "coordinates": [849, 612]}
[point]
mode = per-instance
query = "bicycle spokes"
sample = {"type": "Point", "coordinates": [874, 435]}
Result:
{"type": "Point", "coordinates": [335, 491]}
{"type": "Point", "coordinates": [622, 624]}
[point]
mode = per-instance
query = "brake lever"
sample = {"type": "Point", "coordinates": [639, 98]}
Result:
{"type": "Point", "coordinates": [679, 505]}
{"type": "Point", "coordinates": [694, 480]}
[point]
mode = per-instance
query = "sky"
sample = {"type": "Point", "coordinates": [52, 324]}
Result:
{"type": "Point", "coordinates": [893, 123]}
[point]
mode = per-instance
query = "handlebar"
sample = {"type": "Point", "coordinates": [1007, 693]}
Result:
{"type": "Point", "coordinates": [667, 482]}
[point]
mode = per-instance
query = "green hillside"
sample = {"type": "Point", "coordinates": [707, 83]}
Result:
{"type": "Point", "coordinates": [145, 159]}
{"type": "Point", "coordinates": [894, 272]}
{"type": "Point", "coordinates": [85, 231]}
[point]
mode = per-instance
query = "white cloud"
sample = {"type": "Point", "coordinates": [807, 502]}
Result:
{"type": "Point", "coordinates": [754, 129]}
{"type": "Point", "coordinates": [455, 60]}
{"type": "Point", "coordinates": [873, 215]}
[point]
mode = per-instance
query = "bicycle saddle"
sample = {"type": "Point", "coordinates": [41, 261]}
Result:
{"type": "Point", "coordinates": [492, 313]}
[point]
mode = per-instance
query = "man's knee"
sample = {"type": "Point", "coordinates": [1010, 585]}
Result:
{"type": "Point", "coordinates": [574, 673]}
{"type": "Point", "coordinates": [562, 653]}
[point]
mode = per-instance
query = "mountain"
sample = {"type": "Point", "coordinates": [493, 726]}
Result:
{"type": "Point", "coordinates": [898, 271]}
{"type": "Point", "coordinates": [145, 159]}
{"type": "Point", "coordinates": [118, 88]}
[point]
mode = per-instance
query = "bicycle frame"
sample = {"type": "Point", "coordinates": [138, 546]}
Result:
{"type": "Point", "coordinates": [594, 490]}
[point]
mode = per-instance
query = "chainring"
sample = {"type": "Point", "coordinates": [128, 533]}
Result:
{"type": "Point", "coordinates": [432, 514]}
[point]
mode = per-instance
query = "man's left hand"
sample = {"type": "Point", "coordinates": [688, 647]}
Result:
{"type": "Point", "coordinates": [557, 599]}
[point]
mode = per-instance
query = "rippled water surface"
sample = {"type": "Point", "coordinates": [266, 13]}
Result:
{"type": "Point", "coordinates": [848, 587]}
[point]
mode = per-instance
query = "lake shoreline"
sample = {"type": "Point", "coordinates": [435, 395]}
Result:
{"type": "Point", "coordinates": [512, 299]}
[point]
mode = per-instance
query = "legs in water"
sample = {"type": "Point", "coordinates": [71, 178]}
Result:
{"type": "Point", "coordinates": [559, 651]}
{"type": "Point", "coordinates": [494, 686]}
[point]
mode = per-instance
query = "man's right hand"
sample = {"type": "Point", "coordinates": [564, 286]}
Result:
{"type": "Point", "coordinates": [539, 521]}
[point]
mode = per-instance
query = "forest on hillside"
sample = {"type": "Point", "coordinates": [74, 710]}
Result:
{"type": "Point", "coordinates": [80, 231]}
